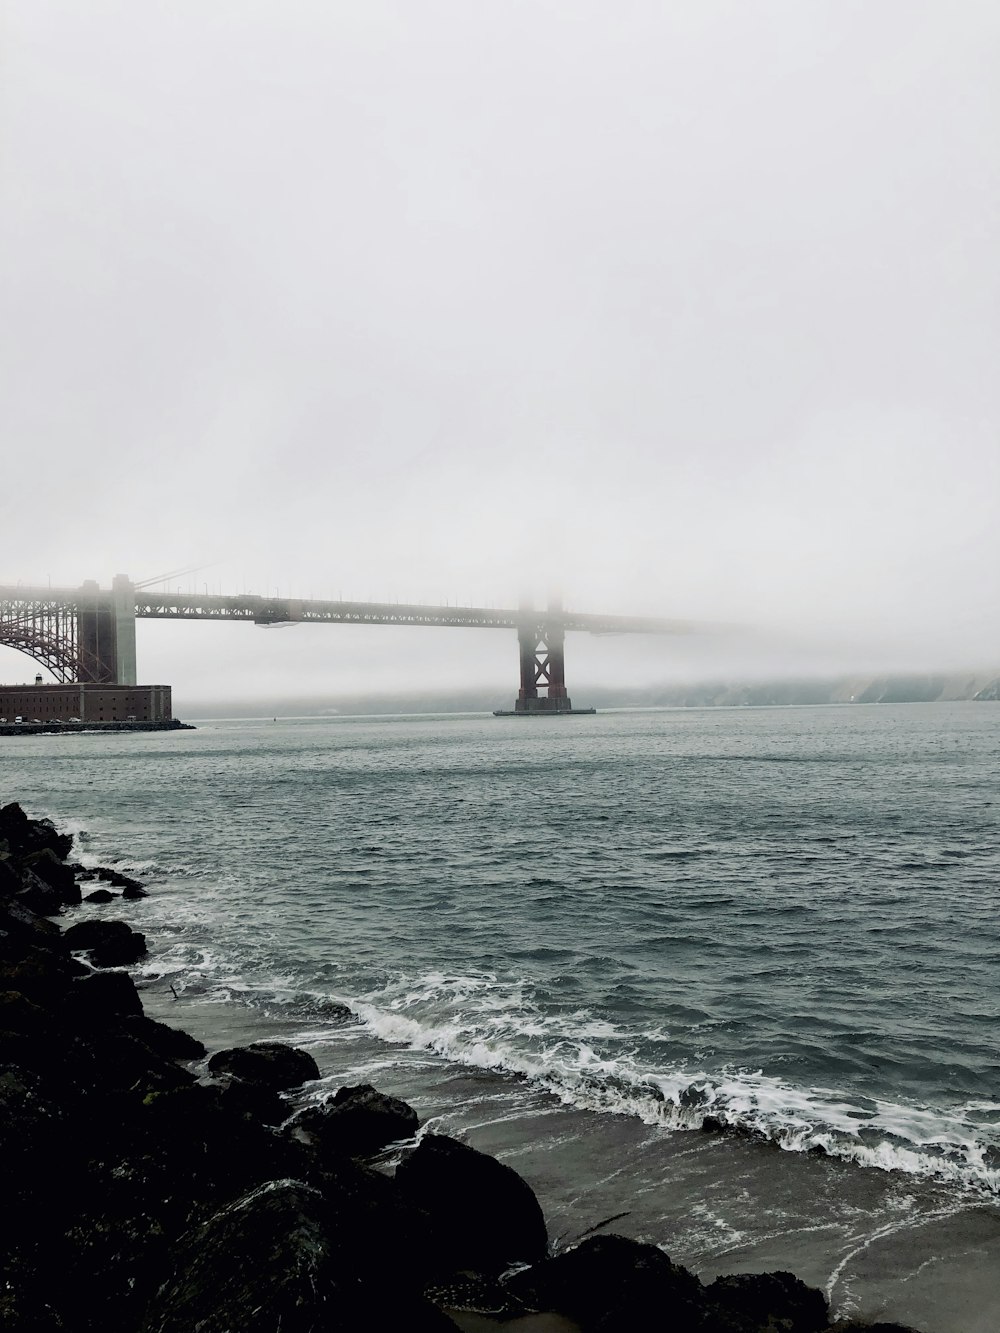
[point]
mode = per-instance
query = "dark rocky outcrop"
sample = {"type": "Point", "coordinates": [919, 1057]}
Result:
{"type": "Point", "coordinates": [100, 896]}
{"type": "Point", "coordinates": [357, 1121]}
{"type": "Point", "coordinates": [109, 943]}
{"type": "Point", "coordinates": [23, 835]}
{"type": "Point", "coordinates": [485, 1215]}
{"type": "Point", "coordinates": [853, 1326]}
{"type": "Point", "coordinates": [607, 1281]}
{"type": "Point", "coordinates": [270, 1063]}
{"type": "Point", "coordinates": [770, 1300]}
{"type": "Point", "coordinates": [271, 1260]}
{"type": "Point", "coordinates": [47, 866]}
{"type": "Point", "coordinates": [121, 952]}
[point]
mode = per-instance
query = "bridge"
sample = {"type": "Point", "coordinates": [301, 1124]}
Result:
{"type": "Point", "coordinates": [87, 634]}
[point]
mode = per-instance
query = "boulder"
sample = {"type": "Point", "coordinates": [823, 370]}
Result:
{"type": "Point", "coordinates": [103, 995]}
{"type": "Point", "coordinates": [132, 888]}
{"type": "Point", "coordinates": [18, 918]}
{"type": "Point", "coordinates": [358, 1121]}
{"type": "Point", "coordinates": [607, 1281]}
{"type": "Point", "coordinates": [485, 1215]}
{"type": "Point", "coordinates": [111, 943]}
{"type": "Point", "coordinates": [770, 1300]}
{"type": "Point", "coordinates": [271, 1063]}
{"type": "Point", "coordinates": [99, 896]}
{"type": "Point", "coordinates": [252, 1101]}
{"type": "Point", "coordinates": [38, 896]}
{"type": "Point", "coordinates": [208, 1150]}
{"type": "Point", "coordinates": [853, 1326]}
{"type": "Point", "coordinates": [160, 1037]}
{"type": "Point", "coordinates": [54, 872]}
{"type": "Point", "coordinates": [119, 952]}
{"type": "Point", "coordinates": [263, 1263]}
{"type": "Point", "coordinates": [116, 1061]}
{"type": "Point", "coordinates": [24, 835]}
{"type": "Point", "coordinates": [43, 976]}
{"type": "Point", "coordinates": [87, 934]}
{"type": "Point", "coordinates": [21, 1015]}
{"type": "Point", "coordinates": [10, 880]}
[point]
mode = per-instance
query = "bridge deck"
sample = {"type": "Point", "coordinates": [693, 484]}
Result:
{"type": "Point", "coordinates": [285, 610]}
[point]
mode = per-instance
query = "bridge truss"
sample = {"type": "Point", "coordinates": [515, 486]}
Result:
{"type": "Point", "coordinates": [47, 629]}
{"type": "Point", "coordinates": [78, 633]}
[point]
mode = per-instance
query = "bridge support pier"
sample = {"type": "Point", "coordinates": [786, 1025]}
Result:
{"type": "Point", "coordinates": [95, 636]}
{"type": "Point", "coordinates": [541, 649]}
{"type": "Point", "coordinates": [105, 628]}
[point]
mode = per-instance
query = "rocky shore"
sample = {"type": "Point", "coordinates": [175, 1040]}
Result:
{"type": "Point", "coordinates": [150, 1187]}
{"type": "Point", "coordinates": [100, 728]}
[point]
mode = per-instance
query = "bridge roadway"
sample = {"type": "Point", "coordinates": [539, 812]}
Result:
{"type": "Point", "coordinates": [88, 633]}
{"type": "Point", "coordinates": [261, 610]}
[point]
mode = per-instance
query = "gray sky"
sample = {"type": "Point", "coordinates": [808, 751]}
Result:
{"type": "Point", "coordinates": [687, 308]}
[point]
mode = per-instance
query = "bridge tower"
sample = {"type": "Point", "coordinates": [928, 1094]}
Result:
{"type": "Point", "coordinates": [541, 649]}
{"type": "Point", "coordinates": [105, 628]}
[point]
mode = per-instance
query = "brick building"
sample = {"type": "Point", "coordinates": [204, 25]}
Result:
{"type": "Point", "coordinates": [86, 702]}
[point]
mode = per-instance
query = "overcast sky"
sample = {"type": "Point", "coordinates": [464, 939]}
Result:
{"type": "Point", "coordinates": [688, 308]}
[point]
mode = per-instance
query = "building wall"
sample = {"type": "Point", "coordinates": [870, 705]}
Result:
{"type": "Point", "coordinates": [90, 703]}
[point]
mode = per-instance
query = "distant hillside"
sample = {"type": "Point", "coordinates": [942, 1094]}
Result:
{"type": "Point", "coordinates": [937, 688]}
{"type": "Point", "coordinates": [901, 689]}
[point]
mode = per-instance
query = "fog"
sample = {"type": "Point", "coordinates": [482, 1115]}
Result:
{"type": "Point", "coordinates": [686, 309]}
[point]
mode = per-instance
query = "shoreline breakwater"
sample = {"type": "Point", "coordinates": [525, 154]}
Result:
{"type": "Point", "coordinates": [154, 1187]}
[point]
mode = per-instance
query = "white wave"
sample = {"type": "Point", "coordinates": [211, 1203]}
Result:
{"type": "Point", "coordinates": [488, 1024]}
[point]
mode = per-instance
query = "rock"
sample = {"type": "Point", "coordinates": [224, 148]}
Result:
{"type": "Point", "coordinates": [485, 1215]}
{"type": "Point", "coordinates": [271, 1063]}
{"type": "Point", "coordinates": [111, 943]}
{"type": "Point", "coordinates": [607, 1281]}
{"type": "Point", "coordinates": [261, 1264]}
{"type": "Point", "coordinates": [54, 872]}
{"type": "Point", "coordinates": [21, 1015]}
{"type": "Point", "coordinates": [10, 880]}
{"type": "Point", "coordinates": [100, 896]}
{"type": "Point", "coordinates": [162, 1038]}
{"type": "Point", "coordinates": [358, 1121]}
{"type": "Point", "coordinates": [771, 1300]}
{"type": "Point", "coordinates": [21, 1312]}
{"type": "Point", "coordinates": [43, 976]}
{"type": "Point", "coordinates": [253, 1101]}
{"type": "Point", "coordinates": [16, 917]}
{"type": "Point", "coordinates": [38, 896]}
{"type": "Point", "coordinates": [118, 1061]}
{"type": "Point", "coordinates": [87, 934]}
{"type": "Point", "coordinates": [104, 995]}
{"type": "Point", "coordinates": [24, 835]}
{"type": "Point", "coordinates": [471, 1293]}
{"type": "Point", "coordinates": [132, 888]}
{"type": "Point", "coordinates": [119, 952]}
{"type": "Point", "coordinates": [208, 1150]}
{"type": "Point", "coordinates": [853, 1326]}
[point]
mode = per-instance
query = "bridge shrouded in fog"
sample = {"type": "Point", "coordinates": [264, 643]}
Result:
{"type": "Point", "coordinates": [87, 634]}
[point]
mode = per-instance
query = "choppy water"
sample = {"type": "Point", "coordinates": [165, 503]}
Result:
{"type": "Point", "coordinates": [782, 918]}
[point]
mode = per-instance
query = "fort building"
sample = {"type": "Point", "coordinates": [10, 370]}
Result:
{"type": "Point", "coordinates": [85, 702]}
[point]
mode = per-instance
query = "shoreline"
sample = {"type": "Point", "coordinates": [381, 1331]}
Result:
{"type": "Point", "coordinates": [907, 1258]}
{"type": "Point", "coordinates": [561, 1287]}
{"type": "Point", "coordinates": [100, 728]}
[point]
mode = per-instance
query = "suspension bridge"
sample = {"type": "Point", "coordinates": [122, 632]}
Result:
{"type": "Point", "coordinates": [87, 634]}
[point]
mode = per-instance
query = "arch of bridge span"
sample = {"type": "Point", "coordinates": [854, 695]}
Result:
{"type": "Point", "coordinates": [57, 656]}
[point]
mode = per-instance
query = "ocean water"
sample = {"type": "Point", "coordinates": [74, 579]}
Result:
{"type": "Point", "coordinates": [574, 939]}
